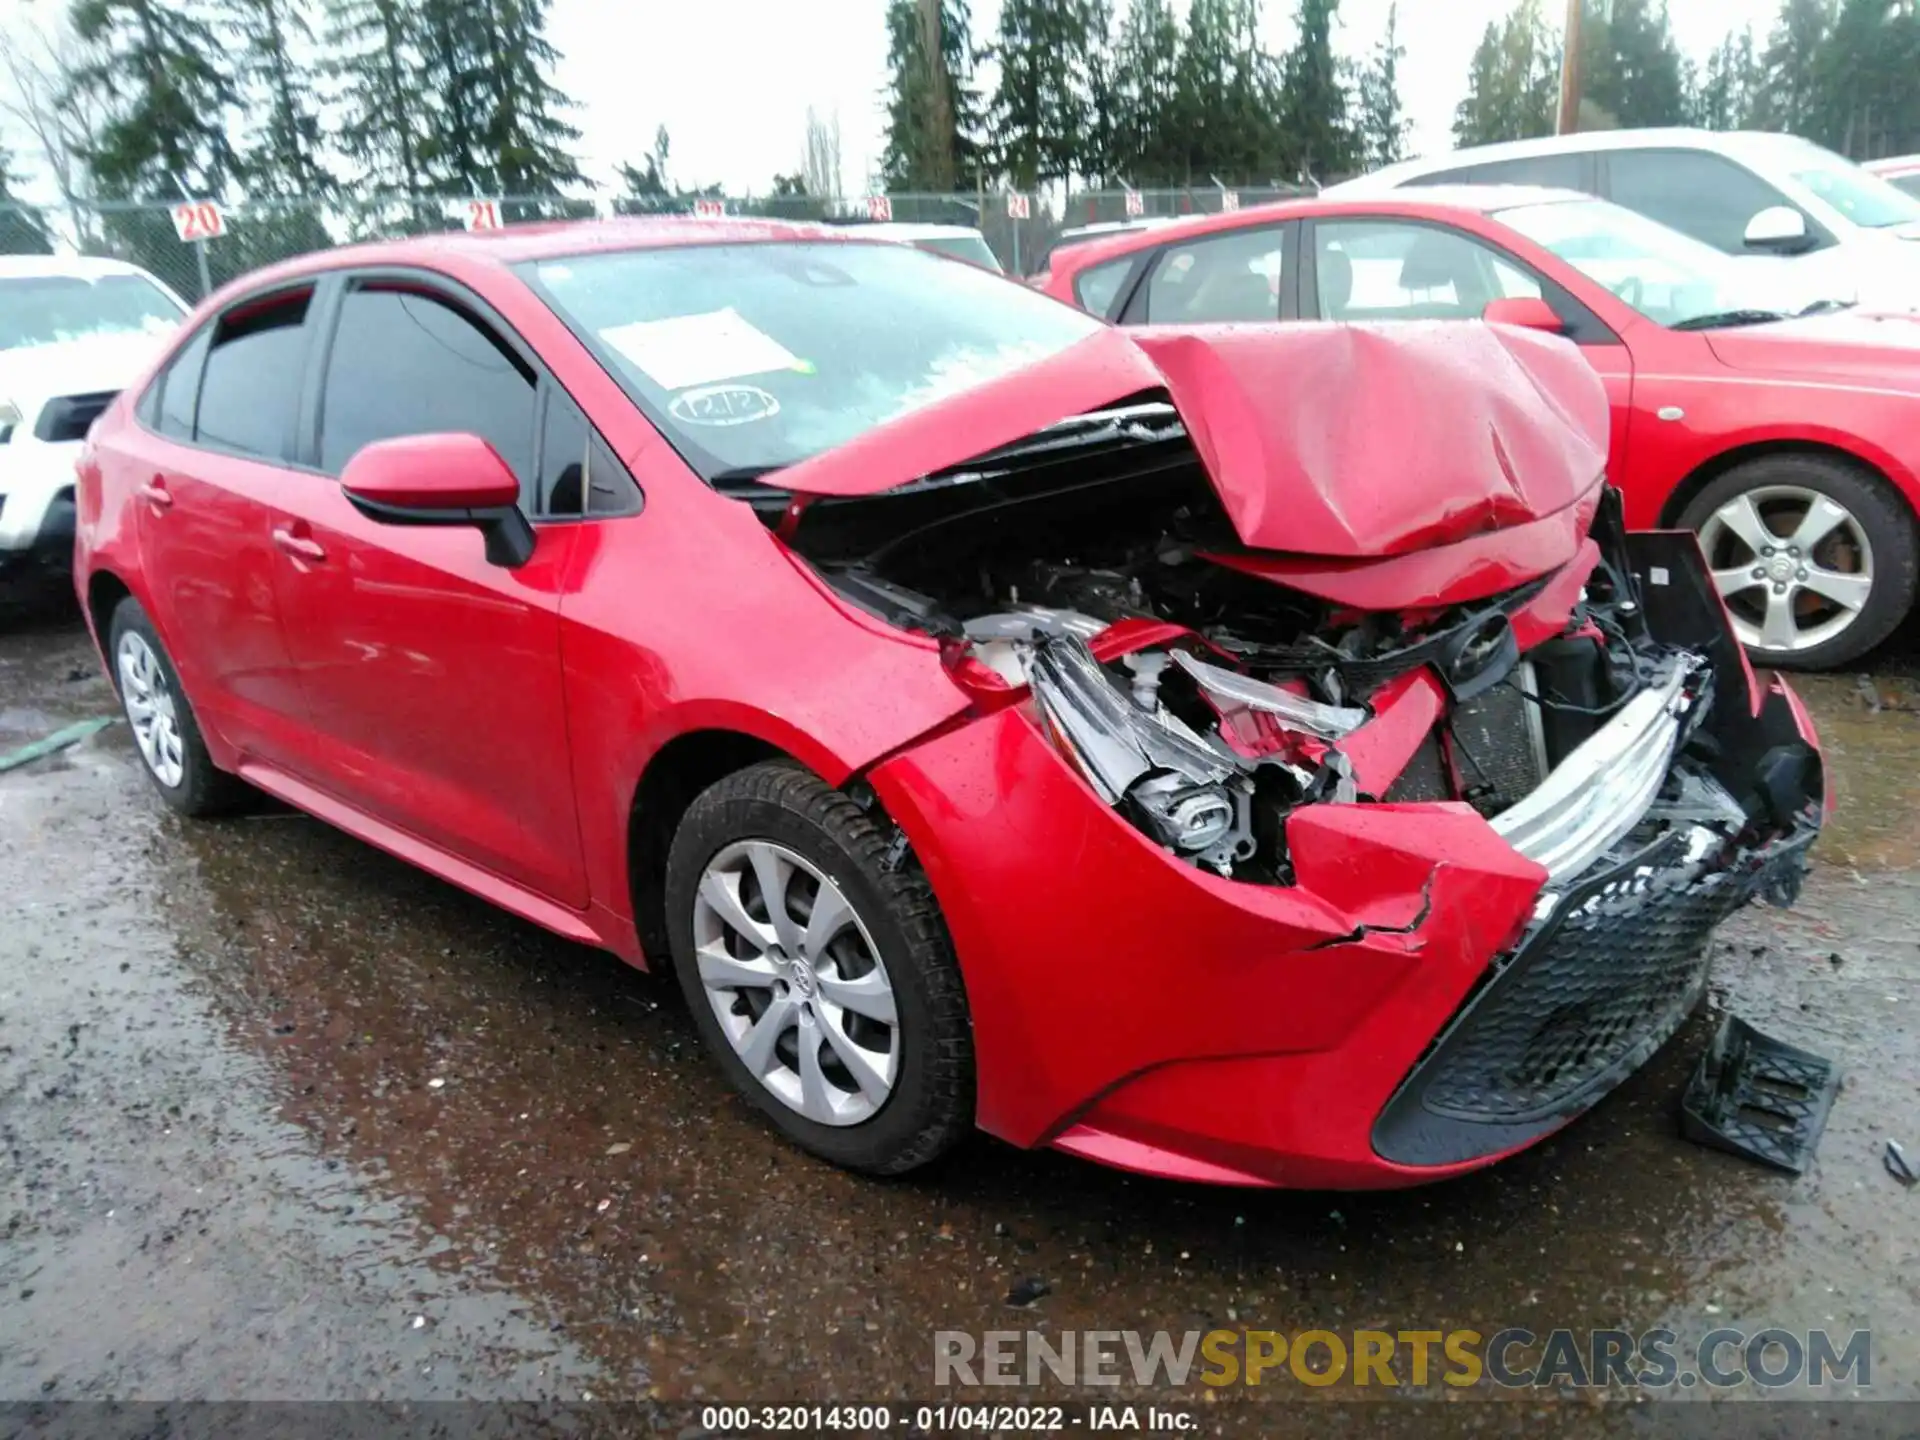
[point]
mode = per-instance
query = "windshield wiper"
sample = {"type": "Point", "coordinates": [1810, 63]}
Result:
{"type": "Point", "coordinates": [1822, 307]}
{"type": "Point", "coordinates": [1727, 319]}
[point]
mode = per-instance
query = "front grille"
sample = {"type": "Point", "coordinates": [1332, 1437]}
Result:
{"type": "Point", "coordinates": [1580, 1004]}
{"type": "Point", "coordinates": [1498, 745]}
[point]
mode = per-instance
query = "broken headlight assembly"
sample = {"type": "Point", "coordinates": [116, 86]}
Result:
{"type": "Point", "coordinates": [1189, 792]}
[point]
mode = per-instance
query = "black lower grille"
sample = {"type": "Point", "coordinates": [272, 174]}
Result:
{"type": "Point", "coordinates": [1496, 749]}
{"type": "Point", "coordinates": [1582, 1002]}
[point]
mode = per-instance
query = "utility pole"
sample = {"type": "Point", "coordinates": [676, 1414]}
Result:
{"type": "Point", "coordinates": [933, 42]}
{"type": "Point", "coordinates": [1570, 70]}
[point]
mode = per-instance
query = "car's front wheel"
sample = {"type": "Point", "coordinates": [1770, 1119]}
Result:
{"type": "Point", "coordinates": [164, 728]}
{"type": "Point", "coordinates": [1814, 557]}
{"type": "Point", "coordinates": [819, 970]}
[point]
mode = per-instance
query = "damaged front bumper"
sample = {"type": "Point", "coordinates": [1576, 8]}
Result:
{"type": "Point", "coordinates": [1428, 990]}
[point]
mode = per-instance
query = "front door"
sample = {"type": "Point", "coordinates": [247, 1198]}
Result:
{"type": "Point", "coordinates": [432, 677]}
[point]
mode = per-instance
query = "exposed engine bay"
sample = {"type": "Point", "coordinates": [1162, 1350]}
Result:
{"type": "Point", "coordinates": [1093, 566]}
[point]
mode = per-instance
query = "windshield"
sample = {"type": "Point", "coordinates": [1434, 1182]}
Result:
{"type": "Point", "coordinates": [47, 309]}
{"type": "Point", "coordinates": [1666, 276]}
{"type": "Point", "coordinates": [970, 248]}
{"type": "Point", "coordinates": [753, 357]}
{"type": "Point", "coordinates": [1864, 199]}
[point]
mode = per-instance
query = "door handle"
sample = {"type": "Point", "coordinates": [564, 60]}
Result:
{"type": "Point", "coordinates": [299, 546]}
{"type": "Point", "coordinates": [154, 492]}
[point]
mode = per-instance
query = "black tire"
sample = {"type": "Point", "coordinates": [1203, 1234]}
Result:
{"type": "Point", "coordinates": [930, 1107]}
{"type": "Point", "coordinates": [203, 789]}
{"type": "Point", "coordinates": [1889, 527]}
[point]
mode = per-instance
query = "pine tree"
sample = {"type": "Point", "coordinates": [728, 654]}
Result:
{"type": "Point", "coordinates": [1098, 159]}
{"type": "Point", "coordinates": [158, 71]}
{"type": "Point", "coordinates": [933, 110]}
{"type": "Point", "coordinates": [283, 157]}
{"type": "Point", "coordinates": [526, 140]}
{"type": "Point", "coordinates": [1382, 121]}
{"type": "Point", "coordinates": [1723, 100]}
{"type": "Point", "coordinates": [1314, 123]}
{"type": "Point", "coordinates": [1146, 99]}
{"type": "Point", "coordinates": [384, 98]}
{"type": "Point", "coordinates": [648, 180]}
{"type": "Point", "coordinates": [1039, 116]}
{"type": "Point", "coordinates": [1227, 106]}
{"type": "Point", "coordinates": [1513, 83]}
{"type": "Point", "coordinates": [1866, 102]}
{"type": "Point", "coordinates": [21, 230]}
{"type": "Point", "coordinates": [450, 158]}
{"type": "Point", "coordinates": [1631, 72]}
{"type": "Point", "coordinates": [1787, 95]}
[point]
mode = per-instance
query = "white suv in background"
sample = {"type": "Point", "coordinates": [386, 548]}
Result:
{"type": "Point", "coordinates": [73, 331]}
{"type": "Point", "coordinates": [1850, 235]}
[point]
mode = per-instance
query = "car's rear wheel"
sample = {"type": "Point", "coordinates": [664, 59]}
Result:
{"type": "Point", "coordinates": [1814, 557]}
{"type": "Point", "coordinates": [819, 970]}
{"type": "Point", "coordinates": [164, 728]}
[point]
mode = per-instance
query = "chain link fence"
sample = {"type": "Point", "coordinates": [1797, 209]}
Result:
{"type": "Point", "coordinates": [1019, 229]}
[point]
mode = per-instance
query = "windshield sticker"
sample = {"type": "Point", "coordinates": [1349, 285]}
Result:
{"type": "Point", "coordinates": [723, 405]}
{"type": "Point", "coordinates": [689, 350]}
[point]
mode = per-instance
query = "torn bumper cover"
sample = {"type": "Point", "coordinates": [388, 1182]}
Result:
{"type": "Point", "coordinates": [1425, 988]}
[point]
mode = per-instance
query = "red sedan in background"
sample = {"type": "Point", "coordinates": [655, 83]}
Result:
{"type": "Point", "coordinates": [1789, 442]}
{"type": "Point", "coordinates": [1257, 756]}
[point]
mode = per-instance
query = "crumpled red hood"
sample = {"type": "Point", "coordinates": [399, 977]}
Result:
{"type": "Point", "coordinates": [1369, 440]}
{"type": "Point", "coordinates": [1344, 441]}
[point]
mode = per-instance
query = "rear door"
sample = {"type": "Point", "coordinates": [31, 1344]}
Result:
{"type": "Point", "coordinates": [207, 473]}
{"type": "Point", "coordinates": [432, 676]}
{"type": "Point", "coordinates": [1228, 277]}
{"type": "Point", "coordinates": [1383, 268]}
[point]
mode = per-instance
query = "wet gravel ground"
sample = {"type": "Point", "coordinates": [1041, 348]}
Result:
{"type": "Point", "coordinates": [283, 1118]}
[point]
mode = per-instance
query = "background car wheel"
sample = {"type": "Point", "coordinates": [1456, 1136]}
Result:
{"type": "Point", "coordinates": [164, 729]}
{"type": "Point", "coordinates": [1814, 557]}
{"type": "Point", "coordinates": [819, 970]}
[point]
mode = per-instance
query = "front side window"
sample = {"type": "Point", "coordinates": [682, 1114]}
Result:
{"type": "Point", "coordinates": [1695, 192]}
{"type": "Point", "coordinates": [1219, 279]}
{"type": "Point", "coordinates": [250, 386]}
{"type": "Point", "coordinates": [752, 357]}
{"type": "Point", "coordinates": [1907, 184]}
{"type": "Point", "coordinates": [54, 309]}
{"type": "Point", "coordinates": [407, 363]}
{"type": "Point", "coordinates": [1394, 270]}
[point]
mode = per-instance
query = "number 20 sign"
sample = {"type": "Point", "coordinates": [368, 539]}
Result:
{"type": "Point", "coordinates": [199, 220]}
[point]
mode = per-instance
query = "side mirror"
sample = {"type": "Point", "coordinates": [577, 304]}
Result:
{"type": "Point", "coordinates": [1779, 228]}
{"type": "Point", "coordinates": [1526, 312]}
{"type": "Point", "coordinates": [442, 480]}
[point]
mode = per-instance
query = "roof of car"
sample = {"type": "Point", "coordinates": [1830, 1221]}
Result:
{"type": "Point", "coordinates": [77, 267]}
{"type": "Point", "coordinates": [1436, 202]}
{"type": "Point", "coordinates": [1746, 142]}
{"type": "Point", "coordinates": [548, 240]}
{"type": "Point", "coordinates": [909, 230]}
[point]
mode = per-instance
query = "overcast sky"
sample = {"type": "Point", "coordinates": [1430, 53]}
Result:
{"type": "Point", "coordinates": [732, 79]}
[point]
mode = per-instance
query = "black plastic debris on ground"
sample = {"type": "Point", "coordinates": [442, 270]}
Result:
{"type": "Point", "coordinates": [1899, 1166]}
{"type": "Point", "coordinates": [1759, 1098]}
{"type": "Point", "coordinates": [1028, 1290]}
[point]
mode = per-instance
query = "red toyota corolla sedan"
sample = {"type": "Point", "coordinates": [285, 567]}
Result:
{"type": "Point", "coordinates": [1790, 443]}
{"type": "Point", "coordinates": [1250, 755]}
